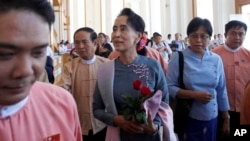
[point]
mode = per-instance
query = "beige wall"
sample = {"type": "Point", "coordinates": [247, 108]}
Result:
{"type": "Point", "coordinates": [163, 16]}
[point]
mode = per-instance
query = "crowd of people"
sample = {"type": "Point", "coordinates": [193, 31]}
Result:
{"type": "Point", "coordinates": [88, 104]}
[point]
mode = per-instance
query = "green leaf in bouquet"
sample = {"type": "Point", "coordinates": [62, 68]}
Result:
{"type": "Point", "coordinates": [130, 101]}
{"type": "Point", "coordinates": [137, 105]}
{"type": "Point", "coordinates": [141, 117]}
{"type": "Point", "coordinates": [128, 114]}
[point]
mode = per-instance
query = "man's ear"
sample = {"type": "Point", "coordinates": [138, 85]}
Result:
{"type": "Point", "coordinates": [95, 44]}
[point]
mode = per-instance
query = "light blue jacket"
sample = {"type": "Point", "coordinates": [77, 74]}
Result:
{"type": "Point", "coordinates": [206, 74]}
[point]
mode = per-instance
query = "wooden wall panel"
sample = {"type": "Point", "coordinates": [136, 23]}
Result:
{"type": "Point", "coordinates": [239, 4]}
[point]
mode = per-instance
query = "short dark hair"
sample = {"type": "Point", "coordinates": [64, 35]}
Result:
{"type": "Point", "coordinates": [41, 7]}
{"type": "Point", "coordinates": [134, 20]}
{"type": "Point", "coordinates": [197, 22]}
{"type": "Point", "coordinates": [156, 34]}
{"type": "Point", "coordinates": [235, 24]}
{"type": "Point", "coordinates": [93, 35]}
{"type": "Point", "coordinates": [169, 35]}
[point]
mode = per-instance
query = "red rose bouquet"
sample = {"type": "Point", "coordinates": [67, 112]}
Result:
{"type": "Point", "coordinates": [134, 108]}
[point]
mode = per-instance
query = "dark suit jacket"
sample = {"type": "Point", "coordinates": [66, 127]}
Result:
{"type": "Point", "coordinates": [49, 69]}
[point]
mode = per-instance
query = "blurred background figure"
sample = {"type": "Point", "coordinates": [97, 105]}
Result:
{"type": "Point", "coordinates": [103, 47]}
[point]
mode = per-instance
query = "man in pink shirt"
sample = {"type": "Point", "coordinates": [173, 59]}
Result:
{"type": "Point", "coordinates": [245, 106]}
{"type": "Point", "coordinates": [31, 110]}
{"type": "Point", "coordinates": [236, 61]}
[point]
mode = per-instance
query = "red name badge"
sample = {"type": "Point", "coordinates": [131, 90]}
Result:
{"type": "Point", "coordinates": [55, 137]}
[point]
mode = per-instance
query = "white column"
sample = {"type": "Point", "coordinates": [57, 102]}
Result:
{"type": "Point", "coordinates": [93, 15]}
{"type": "Point", "coordinates": [77, 15]}
{"type": "Point", "coordinates": [176, 16]}
{"type": "Point", "coordinates": [222, 10]}
{"type": "Point", "coordinates": [113, 8]}
{"type": "Point", "coordinates": [145, 14]}
{"type": "Point", "coordinates": [185, 16]}
{"type": "Point", "coordinates": [72, 21]}
{"type": "Point", "coordinates": [155, 16]}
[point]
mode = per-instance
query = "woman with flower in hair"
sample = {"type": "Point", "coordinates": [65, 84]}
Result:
{"type": "Point", "coordinates": [144, 50]}
{"type": "Point", "coordinates": [115, 79]}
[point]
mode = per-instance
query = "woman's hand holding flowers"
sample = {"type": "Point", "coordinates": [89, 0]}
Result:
{"type": "Point", "coordinates": [130, 126]}
{"type": "Point", "coordinates": [133, 127]}
{"type": "Point", "coordinates": [134, 118]}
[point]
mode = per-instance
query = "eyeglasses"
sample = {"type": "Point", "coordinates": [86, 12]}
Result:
{"type": "Point", "coordinates": [196, 36]}
{"type": "Point", "coordinates": [234, 34]}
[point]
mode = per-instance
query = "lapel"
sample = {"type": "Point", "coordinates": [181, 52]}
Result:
{"type": "Point", "coordinates": [105, 82]}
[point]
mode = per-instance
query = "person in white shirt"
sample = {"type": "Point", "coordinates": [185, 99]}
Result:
{"type": "Point", "coordinates": [62, 48]}
{"type": "Point", "coordinates": [213, 43]}
{"type": "Point", "coordinates": [220, 39]}
{"type": "Point", "coordinates": [162, 47]}
{"type": "Point", "coordinates": [169, 39]}
{"type": "Point", "coordinates": [179, 42]}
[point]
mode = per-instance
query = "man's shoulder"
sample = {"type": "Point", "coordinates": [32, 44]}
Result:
{"type": "Point", "coordinates": [247, 86]}
{"type": "Point", "coordinates": [214, 55]}
{"type": "Point", "coordinates": [219, 49]}
{"type": "Point", "coordinates": [101, 59]}
{"type": "Point", "coordinates": [52, 101]}
{"type": "Point", "coordinates": [245, 49]}
{"type": "Point", "coordinates": [70, 65]}
{"type": "Point", "coordinates": [73, 61]}
{"type": "Point", "coordinates": [50, 95]}
{"type": "Point", "coordinates": [47, 89]}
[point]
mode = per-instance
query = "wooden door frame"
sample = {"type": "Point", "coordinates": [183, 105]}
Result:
{"type": "Point", "coordinates": [194, 4]}
{"type": "Point", "coordinates": [239, 4]}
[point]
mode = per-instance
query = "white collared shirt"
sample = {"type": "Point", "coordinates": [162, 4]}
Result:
{"type": "Point", "coordinates": [9, 110]}
{"type": "Point", "coordinates": [232, 50]}
{"type": "Point", "coordinates": [91, 61]}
